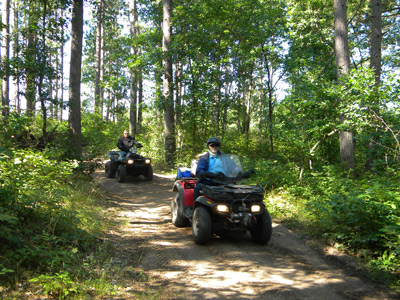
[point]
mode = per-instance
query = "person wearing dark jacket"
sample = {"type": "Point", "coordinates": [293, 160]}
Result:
{"type": "Point", "coordinates": [125, 143]}
{"type": "Point", "coordinates": [206, 164]}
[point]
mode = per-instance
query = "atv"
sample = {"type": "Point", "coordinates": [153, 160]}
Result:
{"type": "Point", "coordinates": [224, 206]}
{"type": "Point", "coordinates": [132, 164]}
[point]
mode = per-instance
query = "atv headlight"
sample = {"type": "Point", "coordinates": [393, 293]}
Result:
{"type": "Point", "coordinates": [147, 161]}
{"type": "Point", "coordinates": [255, 208]}
{"type": "Point", "coordinates": [222, 208]}
{"type": "Point", "coordinates": [130, 161]}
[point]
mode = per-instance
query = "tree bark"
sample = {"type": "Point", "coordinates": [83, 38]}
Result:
{"type": "Point", "coordinates": [343, 68]}
{"type": "Point", "coordinates": [375, 62]}
{"type": "Point", "coordinates": [16, 53]}
{"type": "Point", "coordinates": [376, 39]}
{"type": "Point", "coordinates": [30, 56]}
{"type": "Point", "coordinates": [169, 127]}
{"type": "Point", "coordinates": [98, 102]}
{"type": "Point", "coordinates": [61, 104]}
{"type": "Point", "coordinates": [75, 76]}
{"type": "Point", "coordinates": [5, 54]}
{"type": "Point", "coordinates": [43, 63]}
{"type": "Point", "coordinates": [133, 19]}
{"type": "Point", "coordinates": [140, 87]}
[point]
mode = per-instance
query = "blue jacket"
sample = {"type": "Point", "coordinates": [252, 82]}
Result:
{"type": "Point", "coordinates": [202, 164]}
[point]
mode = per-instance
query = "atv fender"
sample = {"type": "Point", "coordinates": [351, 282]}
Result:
{"type": "Point", "coordinates": [185, 193]}
{"type": "Point", "coordinates": [204, 201]}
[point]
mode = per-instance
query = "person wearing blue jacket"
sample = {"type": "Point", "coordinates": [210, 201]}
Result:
{"type": "Point", "coordinates": [206, 164]}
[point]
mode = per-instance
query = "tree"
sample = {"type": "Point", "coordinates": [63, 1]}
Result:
{"type": "Point", "coordinates": [168, 103]}
{"type": "Point", "coordinates": [133, 18]}
{"type": "Point", "coordinates": [343, 69]}
{"type": "Point", "coordinates": [98, 96]}
{"type": "Point", "coordinates": [5, 53]}
{"type": "Point", "coordinates": [30, 59]}
{"type": "Point", "coordinates": [376, 39]}
{"type": "Point", "coordinates": [74, 119]}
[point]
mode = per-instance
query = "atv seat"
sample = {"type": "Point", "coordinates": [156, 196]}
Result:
{"type": "Point", "coordinates": [114, 155]}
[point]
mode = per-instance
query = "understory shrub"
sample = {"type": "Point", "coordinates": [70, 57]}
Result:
{"type": "Point", "coordinates": [360, 215]}
{"type": "Point", "coordinates": [48, 220]}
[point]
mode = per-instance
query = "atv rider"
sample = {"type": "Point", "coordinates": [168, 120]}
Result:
{"type": "Point", "coordinates": [206, 164]}
{"type": "Point", "coordinates": [125, 143]}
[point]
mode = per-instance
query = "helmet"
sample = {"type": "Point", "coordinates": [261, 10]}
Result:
{"type": "Point", "coordinates": [213, 140]}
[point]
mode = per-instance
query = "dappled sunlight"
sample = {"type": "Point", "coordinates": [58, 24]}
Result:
{"type": "Point", "coordinates": [229, 266]}
{"type": "Point", "coordinates": [165, 176]}
{"type": "Point", "coordinates": [144, 213]}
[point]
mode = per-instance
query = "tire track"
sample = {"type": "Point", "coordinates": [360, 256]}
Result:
{"type": "Point", "coordinates": [227, 268]}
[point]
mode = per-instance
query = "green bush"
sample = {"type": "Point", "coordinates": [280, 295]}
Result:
{"type": "Point", "coordinates": [47, 222]}
{"type": "Point", "coordinates": [359, 214]}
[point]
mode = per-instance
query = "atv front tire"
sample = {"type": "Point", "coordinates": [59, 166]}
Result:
{"type": "Point", "coordinates": [201, 226]}
{"type": "Point", "coordinates": [177, 216]}
{"type": "Point", "coordinates": [149, 173]}
{"type": "Point", "coordinates": [262, 234]}
{"type": "Point", "coordinates": [121, 173]}
{"type": "Point", "coordinates": [110, 169]}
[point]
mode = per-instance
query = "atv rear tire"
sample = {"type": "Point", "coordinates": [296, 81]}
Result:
{"type": "Point", "coordinates": [201, 226]}
{"type": "Point", "coordinates": [121, 173]}
{"type": "Point", "coordinates": [110, 169]}
{"type": "Point", "coordinates": [177, 216]}
{"type": "Point", "coordinates": [262, 234]}
{"type": "Point", "coordinates": [149, 173]}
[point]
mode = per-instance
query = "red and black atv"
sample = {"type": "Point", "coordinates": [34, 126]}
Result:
{"type": "Point", "coordinates": [223, 206]}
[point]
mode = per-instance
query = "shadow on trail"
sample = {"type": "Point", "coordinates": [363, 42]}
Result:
{"type": "Point", "coordinates": [229, 267]}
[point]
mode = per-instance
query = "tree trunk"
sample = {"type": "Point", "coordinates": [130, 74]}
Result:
{"type": "Point", "coordinates": [16, 53]}
{"type": "Point", "coordinates": [75, 76]}
{"type": "Point", "coordinates": [98, 101]}
{"type": "Point", "coordinates": [376, 39]}
{"type": "Point", "coordinates": [30, 56]}
{"type": "Point", "coordinates": [343, 68]}
{"type": "Point", "coordinates": [5, 58]}
{"type": "Point", "coordinates": [43, 63]}
{"type": "Point", "coordinates": [376, 61]}
{"type": "Point", "coordinates": [169, 127]}
{"type": "Point", "coordinates": [178, 92]}
{"type": "Point", "coordinates": [133, 19]}
{"type": "Point", "coordinates": [61, 106]}
{"type": "Point", "coordinates": [140, 107]}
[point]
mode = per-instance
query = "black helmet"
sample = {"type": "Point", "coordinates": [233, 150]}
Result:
{"type": "Point", "coordinates": [213, 140]}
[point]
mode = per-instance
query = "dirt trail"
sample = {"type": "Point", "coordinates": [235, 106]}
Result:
{"type": "Point", "coordinates": [227, 268]}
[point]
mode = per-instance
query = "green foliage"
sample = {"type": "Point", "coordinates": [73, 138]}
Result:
{"type": "Point", "coordinates": [48, 222]}
{"type": "Point", "coordinates": [58, 285]}
{"type": "Point", "coordinates": [100, 136]}
{"type": "Point", "coordinates": [359, 215]}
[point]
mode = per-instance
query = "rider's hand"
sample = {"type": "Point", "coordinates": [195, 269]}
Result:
{"type": "Point", "coordinates": [219, 175]}
{"type": "Point", "coordinates": [248, 173]}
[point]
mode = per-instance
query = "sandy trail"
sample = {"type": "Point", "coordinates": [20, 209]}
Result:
{"type": "Point", "coordinates": [227, 268]}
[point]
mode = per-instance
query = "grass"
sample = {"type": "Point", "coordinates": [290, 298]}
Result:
{"type": "Point", "coordinates": [70, 253]}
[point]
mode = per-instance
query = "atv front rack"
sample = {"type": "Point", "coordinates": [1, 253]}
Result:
{"type": "Point", "coordinates": [232, 192]}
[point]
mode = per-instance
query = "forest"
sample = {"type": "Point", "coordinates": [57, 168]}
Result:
{"type": "Point", "coordinates": [307, 93]}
